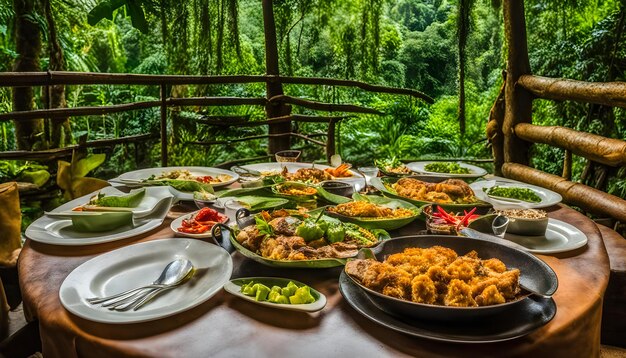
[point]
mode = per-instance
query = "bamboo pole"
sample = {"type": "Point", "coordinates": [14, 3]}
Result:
{"type": "Point", "coordinates": [605, 93]}
{"type": "Point", "coordinates": [587, 198]}
{"type": "Point", "coordinates": [600, 149]}
{"type": "Point", "coordinates": [518, 107]}
{"type": "Point", "coordinates": [321, 106]}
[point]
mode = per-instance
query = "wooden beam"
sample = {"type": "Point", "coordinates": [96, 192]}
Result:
{"type": "Point", "coordinates": [321, 106]}
{"type": "Point", "coordinates": [261, 136]}
{"type": "Point", "coordinates": [59, 153]}
{"type": "Point", "coordinates": [600, 149]}
{"type": "Point", "coordinates": [229, 164]}
{"type": "Point", "coordinates": [518, 107]}
{"type": "Point", "coordinates": [362, 85]}
{"type": "Point", "coordinates": [587, 198]}
{"type": "Point", "coordinates": [289, 118]}
{"type": "Point", "coordinates": [605, 93]}
{"type": "Point", "coordinates": [116, 108]}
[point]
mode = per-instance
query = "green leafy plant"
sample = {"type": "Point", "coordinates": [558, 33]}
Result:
{"type": "Point", "coordinates": [71, 177]}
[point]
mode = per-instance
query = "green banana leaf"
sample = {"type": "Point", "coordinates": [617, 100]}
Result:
{"type": "Point", "coordinates": [330, 197]}
{"type": "Point", "coordinates": [384, 185]}
{"type": "Point", "coordinates": [182, 185]}
{"type": "Point", "coordinates": [259, 191]}
{"type": "Point", "coordinates": [381, 223]}
{"type": "Point", "coordinates": [258, 203]}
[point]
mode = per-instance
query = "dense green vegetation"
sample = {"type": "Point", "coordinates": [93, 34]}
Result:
{"type": "Point", "coordinates": [404, 43]}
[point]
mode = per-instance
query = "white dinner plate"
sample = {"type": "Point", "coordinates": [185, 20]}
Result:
{"type": "Point", "coordinates": [140, 264]}
{"type": "Point", "coordinates": [54, 231]}
{"type": "Point", "coordinates": [276, 168]}
{"type": "Point", "coordinates": [548, 197]}
{"type": "Point", "coordinates": [475, 171]}
{"type": "Point", "coordinates": [153, 196]}
{"type": "Point", "coordinates": [179, 222]}
{"type": "Point", "coordinates": [134, 178]}
{"type": "Point", "coordinates": [560, 237]}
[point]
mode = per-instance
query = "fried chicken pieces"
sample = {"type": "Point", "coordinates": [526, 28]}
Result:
{"type": "Point", "coordinates": [437, 275]}
{"type": "Point", "coordinates": [448, 191]}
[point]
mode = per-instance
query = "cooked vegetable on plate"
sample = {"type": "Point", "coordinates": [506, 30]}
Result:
{"type": "Point", "coordinates": [518, 193]}
{"type": "Point", "coordinates": [447, 167]}
{"type": "Point", "coordinates": [202, 221]}
{"type": "Point", "coordinates": [439, 221]}
{"type": "Point", "coordinates": [289, 294]}
{"type": "Point", "coordinates": [439, 276]}
{"type": "Point", "coordinates": [186, 175]}
{"type": "Point", "coordinates": [393, 166]}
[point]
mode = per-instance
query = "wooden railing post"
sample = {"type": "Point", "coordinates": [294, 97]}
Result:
{"type": "Point", "coordinates": [273, 85]}
{"type": "Point", "coordinates": [163, 125]}
{"type": "Point", "coordinates": [330, 139]}
{"type": "Point", "coordinates": [518, 100]}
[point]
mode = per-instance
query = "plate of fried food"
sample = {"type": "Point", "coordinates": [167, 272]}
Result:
{"type": "Point", "coordinates": [302, 172]}
{"type": "Point", "coordinates": [373, 211]}
{"type": "Point", "coordinates": [451, 194]}
{"type": "Point", "coordinates": [447, 169]}
{"type": "Point", "coordinates": [286, 238]}
{"type": "Point", "coordinates": [446, 278]}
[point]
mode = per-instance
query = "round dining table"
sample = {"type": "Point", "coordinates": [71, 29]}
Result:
{"type": "Point", "coordinates": [228, 326]}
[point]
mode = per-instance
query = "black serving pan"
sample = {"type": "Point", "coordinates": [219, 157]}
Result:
{"type": "Point", "coordinates": [533, 273]}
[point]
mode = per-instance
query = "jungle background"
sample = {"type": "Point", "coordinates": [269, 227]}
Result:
{"type": "Point", "coordinates": [418, 44]}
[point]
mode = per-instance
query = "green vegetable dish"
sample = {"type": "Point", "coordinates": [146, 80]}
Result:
{"type": "Point", "coordinates": [447, 167]}
{"type": "Point", "coordinates": [289, 294]}
{"type": "Point", "coordinates": [280, 236]}
{"type": "Point", "coordinates": [523, 194]}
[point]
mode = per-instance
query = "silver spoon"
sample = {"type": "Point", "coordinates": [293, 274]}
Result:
{"type": "Point", "coordinates": [173, 272]}
{"type": "Point", "coordinates": [145, 297]}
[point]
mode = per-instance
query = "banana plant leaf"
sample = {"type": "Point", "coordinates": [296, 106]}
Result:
{"type": "Point", "coordinates": [258, 203]}
{"type": "Point", "coordinates": [188, 186]}
{"type": "Point", "coordinates": [258, 191]}
{"type": "Point", "coordinates": [384, 185]}
{"type": "Point", "coordinates": [330, 197]}
{"type": "Point", "coordinates": [381, 223]}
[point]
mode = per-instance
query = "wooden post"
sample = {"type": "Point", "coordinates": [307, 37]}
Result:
{"type": "Point", "coordinates": [567, 165]}
{"type": "Point", "coordinates": [494, 128]}
{"type": "Point", "coordinates": [518, 100]}
{"type": "Point", "coordinates": [330, 139]}
{"type": "Point", "coordinates": [163, 125]}
{"type": "Point", "coordinates": [273, 85]}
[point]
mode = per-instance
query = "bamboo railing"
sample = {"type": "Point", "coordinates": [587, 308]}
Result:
{"type": "Point", "coordinates": [511, 132]}
{"type": "Point", "coordinates": [50, 78]}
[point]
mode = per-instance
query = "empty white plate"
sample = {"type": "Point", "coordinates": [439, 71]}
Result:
{"type": "Point", "coordinates": [140, 264]}
{"type": "Point", "coordinates": [560, 237]}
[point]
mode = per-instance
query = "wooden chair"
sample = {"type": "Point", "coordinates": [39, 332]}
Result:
{"type": "Point", "coordinates": [614, 308]}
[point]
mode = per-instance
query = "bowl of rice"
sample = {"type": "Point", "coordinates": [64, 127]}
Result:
{"type": "Point", "coordinates": [531, 222]}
